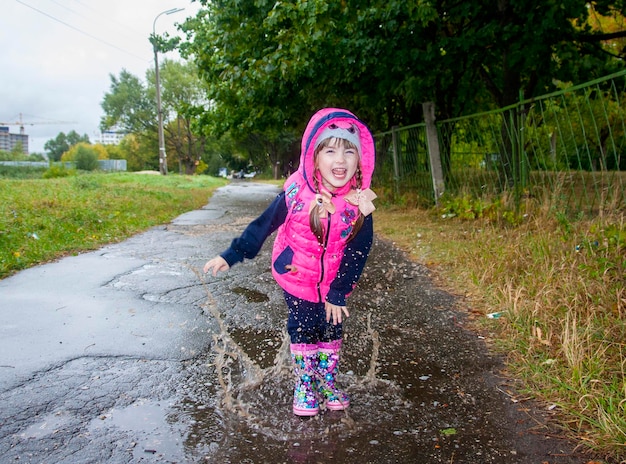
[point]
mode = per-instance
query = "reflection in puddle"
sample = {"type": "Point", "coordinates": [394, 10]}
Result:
{"type": "Point", "coordinates": [46, 426]}
{"type": "Point", "coordinates": [154, 428]}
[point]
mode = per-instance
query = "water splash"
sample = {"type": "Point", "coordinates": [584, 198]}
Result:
{"type": "Point", "coordinates": [371, 373]}
{"type": "Point", "coordinates": [255, 381]}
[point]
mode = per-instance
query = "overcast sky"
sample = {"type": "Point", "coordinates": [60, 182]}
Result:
{"type": "Point", "coordinates": [56, 57]}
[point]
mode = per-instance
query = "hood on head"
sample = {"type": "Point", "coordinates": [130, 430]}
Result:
{"type": "Point", "coordinates": [320, 122]}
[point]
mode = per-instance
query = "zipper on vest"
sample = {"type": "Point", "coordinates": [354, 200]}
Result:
{"type": "Point", "coordinates": [322, 271]}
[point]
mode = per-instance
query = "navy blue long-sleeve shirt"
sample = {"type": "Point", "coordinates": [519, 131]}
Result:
{"type": "Point", "coordinates": [249, 243]}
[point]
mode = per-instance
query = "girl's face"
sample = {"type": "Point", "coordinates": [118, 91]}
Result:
{"type": "Point", "coordinates": [337, 163]}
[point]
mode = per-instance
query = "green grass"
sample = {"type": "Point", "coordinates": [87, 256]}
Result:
{"type": "Point", "coordinates": [560, 286]}
{"type": "Point", "coordinates": [21, 172]}
{"type": "Point", "coordinates": [44, 219]}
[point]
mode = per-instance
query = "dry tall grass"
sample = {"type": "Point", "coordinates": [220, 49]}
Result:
{"type": "Point", "coordinates": [560, 286]}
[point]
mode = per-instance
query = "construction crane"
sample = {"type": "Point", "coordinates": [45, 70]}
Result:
{"type": "Point", "coordinates": [20, 122]}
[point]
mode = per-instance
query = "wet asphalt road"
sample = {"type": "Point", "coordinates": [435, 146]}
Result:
{"type": "Point", "coordinates": [129, 354]}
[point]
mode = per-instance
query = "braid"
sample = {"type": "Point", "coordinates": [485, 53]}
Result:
{"type": "Point", "coordinates": [359, 177]}
{"type": "Point", "coordinates": [314, 217]}
{"type": "Point", "coordinates": [358, 222]}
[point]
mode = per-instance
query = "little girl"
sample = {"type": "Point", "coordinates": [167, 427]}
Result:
{"type": "Point", "coordinates": [325, 233]}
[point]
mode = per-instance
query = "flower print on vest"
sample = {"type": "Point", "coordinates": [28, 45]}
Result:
{"type": "Point", "coordinates": [348, 217]}
{"type": "Point", "coordinates": [297, 206]}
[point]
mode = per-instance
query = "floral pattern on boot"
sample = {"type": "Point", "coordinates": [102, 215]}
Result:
{"type": "Point", "coordinates": [305, 401]}
{"type": "Point", "coordinates": [334, 399]}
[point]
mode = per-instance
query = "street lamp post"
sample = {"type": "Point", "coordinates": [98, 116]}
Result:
{"type": "Point", "coordinates": [162, 154]}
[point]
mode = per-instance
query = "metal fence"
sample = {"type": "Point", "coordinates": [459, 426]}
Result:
{"type": "Point", "coordinates": [567, 148]}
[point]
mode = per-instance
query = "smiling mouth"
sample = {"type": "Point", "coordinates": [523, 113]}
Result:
{"type": "Point", "coordinates": [339, 172]}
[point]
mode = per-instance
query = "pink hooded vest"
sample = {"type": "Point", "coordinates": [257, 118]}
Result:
{"type": "Point", "coordinates": [300, 264]}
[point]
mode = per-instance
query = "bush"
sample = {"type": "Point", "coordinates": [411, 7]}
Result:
{"type": "Point", "coordinates": [86, 158]}
{"type": "Point", "coordinates": [21, 172]}
{"type": "Point", "coordinates": [202, 167]}
{"type": "Point", "coordinates": [57, 171]}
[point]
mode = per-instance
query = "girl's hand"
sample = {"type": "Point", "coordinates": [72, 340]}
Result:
{"type": "Point", "coordinates": [216, 264]}
{"type": "Point", "coordinates": [334, 313]}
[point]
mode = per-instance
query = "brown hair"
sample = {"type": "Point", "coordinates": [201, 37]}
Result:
{"type": "Point", "coordinates": [314, 215]}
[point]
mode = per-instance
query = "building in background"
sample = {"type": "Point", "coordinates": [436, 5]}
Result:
{"type": "Point", "coordinates": [9, 141]}
{"type": "Point", "coordinates": [112, 136]}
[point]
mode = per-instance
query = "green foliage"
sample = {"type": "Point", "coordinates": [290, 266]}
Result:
{"type": "Point", "coordinates": [586, 128]}
{"type": "Point", "coordinates": [36, 157]}
{"type": "Point", "coordinates": [269, 65]}
{"type": "Point", "coordinates": [463, 207]}
{"type": "Point", "coordinates": [201, 168]}
{"type": "Point", "coordinates": [58, 170]}
{"type": "Point", "coordinates": [138, 152]}
{"type": "Point", "coordinates": [567, 146]}
{"type": "Point", "coordinates": [17, 154]}
{"type": "Point", "coordinates": [614, 236]}
{"type": "Point", "coordinates": [468, 207]}
{"type": "Point", "coordinates": [130, 105]}
{"type": "Point", "coordinates": [21, 172]}
{"type": "Point", "coordinates": [62, 143]}
{"type": "Point", "coordinates": [86, 159]}
{"type": "Point", "coordinates": [163, 43]}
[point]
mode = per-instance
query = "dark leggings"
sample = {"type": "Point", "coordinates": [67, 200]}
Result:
{"type": "Point", "coordinates": [307, 322]}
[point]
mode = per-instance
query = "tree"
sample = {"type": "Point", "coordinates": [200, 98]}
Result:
{"type": "Point", "coordinates": [100, 151]}
{"type": "Point", "coordinates": [130, 104]}
{"type": "Point", "coordinates": [16, 154]}
{"type": "Point", "coordinates": [268, 65]}
{"type": "Point", "coordinates": [62, 143]}
{"type": "Point", "coordinates": [533, 47]}
{"type": "Point", "coordinates": [138, 156]}
{"type": "Point", "coordinates": [86, 158]}
{"type": "Point", "coordinates": [183, 93]}
{"type": "Point", "coordinates": [250, 100]}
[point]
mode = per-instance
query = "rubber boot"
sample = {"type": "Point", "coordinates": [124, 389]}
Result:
{"type": "Point", "coordinates": [304, 359]}
{"type": "Point", "coordinates": [328, 359]}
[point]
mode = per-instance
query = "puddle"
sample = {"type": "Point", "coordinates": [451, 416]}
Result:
{"type": "Point", "coordinates": [251, 381]}
{"type": "Point", "coordinates": [252, 296]}
{"type": "Point", "coordinates": [233, 405]}
{"type": "Point", "coordinates": [260, 345]}
{"type": "Point", "coordinates": [47, 425]}
{"type": "Point", "coordinates": [154, 430]}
